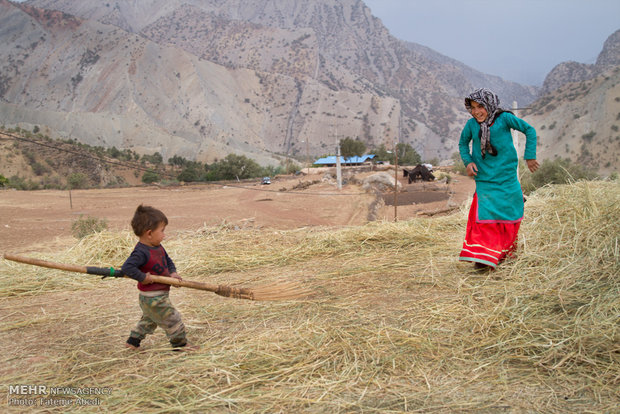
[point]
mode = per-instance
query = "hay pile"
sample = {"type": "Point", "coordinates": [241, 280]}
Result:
{"type": "Point", "coordinates": [396, 322]}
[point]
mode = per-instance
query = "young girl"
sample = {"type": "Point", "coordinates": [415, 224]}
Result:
{"type": "Point", "coordinates": [497, 208]}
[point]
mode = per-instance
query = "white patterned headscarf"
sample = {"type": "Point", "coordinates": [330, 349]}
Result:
{"type": "Point", "coordinates": [490, 102]}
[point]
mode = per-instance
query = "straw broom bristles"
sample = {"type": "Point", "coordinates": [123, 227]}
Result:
{"type": "Point", "coordinates": [396, 323]}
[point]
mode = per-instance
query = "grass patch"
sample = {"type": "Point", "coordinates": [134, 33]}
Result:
{"type": "Point", "coordinates": [84, 226]}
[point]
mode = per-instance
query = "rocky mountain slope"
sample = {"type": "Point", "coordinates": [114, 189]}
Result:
{"type": "Point", "coordinates": [579, 115]}
{"type": "Point", "coordinates": [204, 78]}
{"type": "Point", "coordinates": [567, 72]}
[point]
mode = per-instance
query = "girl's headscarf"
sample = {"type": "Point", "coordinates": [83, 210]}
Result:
{"type": "Point", "coordinates": [490, 102]}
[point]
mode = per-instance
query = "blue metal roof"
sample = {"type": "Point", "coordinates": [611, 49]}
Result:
{"type": "Point", "coordinates": [353, 160]}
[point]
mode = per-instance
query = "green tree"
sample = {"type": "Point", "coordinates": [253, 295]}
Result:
{"type": "Point", "coordinates": [3, 181]}
{"type": "Point", "coordinates": [270, 171]}
{"type": "Point", "coordinates": [156, 158]}
{"type": "Point", "coordinates": [150, 177]}
{"type": "Point", "coordinates": [291, 167]}
{"type": "Point", "coordinates": [177, 160]}
{"type": "Point", "coordinates": [382, 154]}
{"type": "Point", "coordinates": [234, 166]}
{"type": "Point", "coordinates": [114, 152]}
{"type": "Point", "coordinates": [190, 174]}
{"type": "Point", "coordinates": [351, 148]}
{"type": "Point", "coordinates": [407, 155]}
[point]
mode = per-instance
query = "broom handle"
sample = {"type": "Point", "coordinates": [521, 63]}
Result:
{"type": "Point", "coordinates": [44, 263]}
{"type": "Point", "coordinates": [184, 283]}
{"type": "Point", "coordinates": [110, 272]}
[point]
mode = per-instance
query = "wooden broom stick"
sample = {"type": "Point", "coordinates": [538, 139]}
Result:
{"type": "Point", "coordinates": [282, 291]}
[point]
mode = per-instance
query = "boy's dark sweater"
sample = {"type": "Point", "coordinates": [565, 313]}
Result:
{"type": "Point", "coordinates": [145, 259]}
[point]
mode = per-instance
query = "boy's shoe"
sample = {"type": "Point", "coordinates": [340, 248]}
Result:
{"type": "Point", "coordinates": [133, 343]}
{"type": "Point", "coordinates": [187, 348]}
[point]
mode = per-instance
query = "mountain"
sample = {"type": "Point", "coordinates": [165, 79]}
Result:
{"type": "Point", "coordinates": [567, 72]}
{"type": "Point", "coordinates": [579, 115]}
{"type": "Point", "coordinates": [204, 78]}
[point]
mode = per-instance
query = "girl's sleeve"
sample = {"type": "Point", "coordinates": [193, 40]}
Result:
{"type": "Point", "coordinates": [464, 145]}
{"type": "Point", "coordinates": [530, 135]}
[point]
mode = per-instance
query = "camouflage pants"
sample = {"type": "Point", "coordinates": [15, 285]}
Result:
{"type": "Point", "coordinates": [158, 311]}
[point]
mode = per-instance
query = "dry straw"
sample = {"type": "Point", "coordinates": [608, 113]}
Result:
{"type": "Point", "coordinates": [396, 324]}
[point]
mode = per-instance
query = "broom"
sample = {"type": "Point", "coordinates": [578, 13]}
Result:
{"type": "Point", "coordinates": [280, 291]}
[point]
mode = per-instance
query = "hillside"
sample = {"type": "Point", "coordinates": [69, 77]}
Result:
{"type": "Point", "coordinates": [34, 161]}
{"type": "Point", "coordinates": [579, 115]}
{"type": "Point", "coordinates": [202, 79]}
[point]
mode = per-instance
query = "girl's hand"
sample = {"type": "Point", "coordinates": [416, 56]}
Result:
{"type": "Point", "coordinates": [532, 165]}
{"type": "Point", "coordinates": [472, 169]}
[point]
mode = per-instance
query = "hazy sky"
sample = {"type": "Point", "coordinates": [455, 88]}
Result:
{"type": "Point", "coordinates": [519, 40]}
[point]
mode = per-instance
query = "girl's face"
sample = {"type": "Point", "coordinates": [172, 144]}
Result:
{"type": "Point", "coordinates": [478, 111]}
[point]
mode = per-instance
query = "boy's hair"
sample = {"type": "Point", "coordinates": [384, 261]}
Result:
{"type": "Point", "coordinates": [147, 218]}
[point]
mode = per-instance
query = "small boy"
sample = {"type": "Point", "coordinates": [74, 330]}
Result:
{"type": "Point", "coordinates": [149, 257]}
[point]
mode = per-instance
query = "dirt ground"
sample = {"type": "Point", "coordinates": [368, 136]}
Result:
{"type": "Point", "coordinates": [35, 220]}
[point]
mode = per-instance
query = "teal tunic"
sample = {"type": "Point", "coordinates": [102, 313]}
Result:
{"type": "Point", "coordinates": [500, 199]}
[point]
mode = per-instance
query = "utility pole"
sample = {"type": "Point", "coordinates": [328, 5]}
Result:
{"type": "Point", "coordinates": [400, 118]}
{"type": "Point", "coordinates": [338, 168]}
{"type": "Point", "coordinates": [515, 135]}
{"type": "Point", "coordinates": [307, 156]}
{"type": "Point", "coordinates": [395, 182]}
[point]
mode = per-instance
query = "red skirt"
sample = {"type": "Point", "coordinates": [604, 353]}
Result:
{"type": "Point", "coordinates": [488, 243]}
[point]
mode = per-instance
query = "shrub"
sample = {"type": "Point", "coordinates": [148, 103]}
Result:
{"type": "Point", "coordinates": [39, 169]}
{"type": "Point", "coordinates": [459, 166]}
{"type": "Point", "coordinates": [20, 183]}
{"type": "Point", "coordinates": [84, 226]}
{"type": "Point", "coordinates": [588, 137]}
{"type": "Point", "coordinates": [52, 182]}
{"type": "Point", "coordinates": [77, 180]}
{"type": "Point", "coordinates": [557, 171]}
{"type": "Point", "coordinates": [3, 181]}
